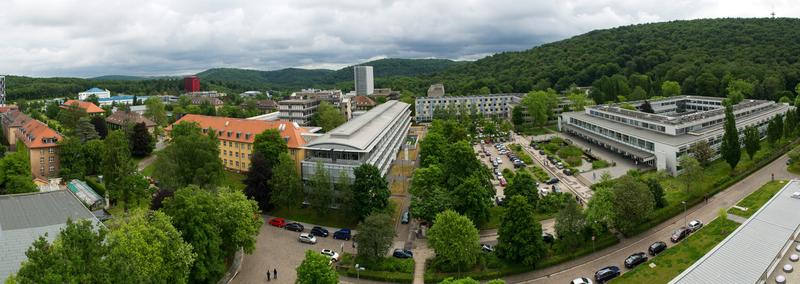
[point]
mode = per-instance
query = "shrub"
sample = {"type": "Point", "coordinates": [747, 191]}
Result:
{"type": "Point", "coordinates": [599, 164]}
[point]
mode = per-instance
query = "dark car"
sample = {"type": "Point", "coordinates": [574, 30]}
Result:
{"type": "Point", "coordinates": [405, 218]}
{"type": "Point", "coordinates": [606, 273]}
{"type": "Point", "coordinates": [656, 248]}
{"type": "Point", "coordinates": [679, 234]}
{"type": "Point", "coordinates": [402, 253]}
{"type": "Point", "coordinates": [343, 234]}
{"type": "Point", "coordinates": [548, 238]}
{"type": "Point", "coordinates": [635, 259]}
{"type": "Point", "coordinates": [294, 226]}
{"type": "Point", "coordinates": [552, 181]}
{"type": "Point", "coordinates": [568, 172]}
{"type": "Point", "coordinates": [319, 232]}
{"type": "Point", "coordinates": [541, 152]}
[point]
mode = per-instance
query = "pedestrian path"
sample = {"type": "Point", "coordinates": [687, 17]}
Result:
{"type": "Point", "coordinates": [421, 254]}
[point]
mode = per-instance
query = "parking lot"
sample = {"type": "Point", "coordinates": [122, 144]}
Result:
{"type": "Point", "coordinates": [481, 150]}
{"type": "Point", "coordinates": [277, 248]}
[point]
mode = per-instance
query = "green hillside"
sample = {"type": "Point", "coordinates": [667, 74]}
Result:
{"type": "Point", "coordinates": [701, 55]}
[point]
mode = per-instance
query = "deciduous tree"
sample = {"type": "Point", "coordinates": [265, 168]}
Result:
{"type": "Point", "coordinates": [257, 183]}
{"type": "Point", "coordinates": [270, 144]}
{"type": "Point", "coordinates": [327, 117]}
{"type": "Point", "coordinates": [571, 225]}
{"type": "Point", "coordinates": [670, 88]}
{"type": "Point", "coordinates": [370, 190]}
{"type": "Point", "coordinates": [702, 152]}
{"type": "Point", "coordinates": [520, 235]}
{"type": "Point", "coordinates": [72, 159]}
{"type": "Point", "coordinates": [287, 188]}
{"type": "Point", "coordinates": [691, 171]}
{"type": "Point", "coordinates": [116, 166]}
{"type": "Point", "coordinates": [752, 141]}
{"type": "Point", "coordinates": [100, 126]}
{"type": "Point", "coordinates": [375, 236]}
{"type": "Point", "coordinates": [315, 270]}
{"type": "Point", "coordinates": [473, 198]}
{"type": "Point", "coordinates": [454, 238]}
{"type": "Point", "coordinates": [191, 158]}
{"type": "Point", "coordinates": [633, 203]}
{"type": "Point", "coordinates": [321, 193]}
{"type": "Point", "coordinates": [523, 184]}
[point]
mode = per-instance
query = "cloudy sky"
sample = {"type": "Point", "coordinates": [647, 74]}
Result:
{"type": "Point", "coordinates": [87, 38]}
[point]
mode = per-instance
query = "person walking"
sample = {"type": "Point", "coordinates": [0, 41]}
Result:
{"type": "Point", "coordinates": [268, 276]}
{"type": "Point", "coordinates": [275, 273]}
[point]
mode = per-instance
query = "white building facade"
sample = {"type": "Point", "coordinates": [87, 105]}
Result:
{"type": "Point", "coordinates": [364, 80]}
{"type": "Point", "coordinates": [374, 137]}
{"type": "Point", "coordinates": [495, 105]}
{"type": "Point", "coordinates": [100, 93]}
{"type": "Point", "coordinates": [657, 139]}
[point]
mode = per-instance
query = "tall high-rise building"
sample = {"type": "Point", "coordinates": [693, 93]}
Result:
{"type": "Point", "coordinates": [191, 84]}
{"type": "Point", "coordinates": [2, 90]}
{"type": "Point", "coordinates": [365, 83]}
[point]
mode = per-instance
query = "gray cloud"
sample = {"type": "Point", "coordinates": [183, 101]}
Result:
{"type": "Point", "coordinates": [165, 37]}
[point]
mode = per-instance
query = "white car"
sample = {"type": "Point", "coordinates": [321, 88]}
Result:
{"type": "Point", "coordinates": [330, 254]}
{"type": "Point", "coordinates": [582, 280]}
{"type": "Point", "coordinates": [308, 238]}
{"type": "Point", "coordinates": [695, 225]}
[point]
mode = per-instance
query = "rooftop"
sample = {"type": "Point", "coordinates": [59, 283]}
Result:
{"type": "Point", "coordinates": [676, 119]}
{"type": "Point", "coordinates": [747, 253]}
{"type": "Point", "coordinates": [122, 98]}
{"type": "Point", "coordinates": [124, 117]}
{"type": "Point", "coordinates": [87, 106]}
{"type": "Point", "coordinates": [362, 132]}
{"type": "Point", "coordinates": [25, 217]}
{"type": "Point", "coordinates": [95, 90]}
{"type": "Point", "coordinates": [36, 134]}
{"type": "Point", "coordinates": [290, 131]}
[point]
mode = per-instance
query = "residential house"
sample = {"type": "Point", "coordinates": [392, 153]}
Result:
{"type": "Point", "coordinates": [89, 107]}
{"type": "Point", "coordinates": [122, 119]}
{"type": "Point", "coordinates": [362, 103]}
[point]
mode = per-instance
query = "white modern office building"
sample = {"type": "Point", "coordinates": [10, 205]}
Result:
{"type": "Point", "coordinates": [374, 137]}
{"type": "Point", "coordinates": [657, 139]}
{"type": "Point", "coordinates": [364, 81]}
{"type": "Point", "coordinates": [764, 249]}
{"type": "Point", "coordinates": [494, 105]}
{"type": "Point", "coordinates": [100, 93]}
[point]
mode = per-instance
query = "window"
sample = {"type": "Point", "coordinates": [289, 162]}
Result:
{"type": "Point", "coordinates": [249, 156]}
{"type": "Point", "coordinates": [41, 152]}
{"type": "Point", "coordinates": [224, 152]}
{"type": "Point", "coordinates": [52, 169]}
{"type": "Point", "coordinates": [237, 154]}
{"type": "Point", "coordinates": [237, 164]}
{"type": "Point", "coordinates": [51, 150]}
{"type": "Point", "coordinates": [41, 160]}
{"type": "Point", "coordinates": [51, 159]}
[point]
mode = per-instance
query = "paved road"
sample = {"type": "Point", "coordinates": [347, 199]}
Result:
{"type": "Point", "coordinates": [587, 265]}
{"type": "Point", "coordinates": [571, 183]}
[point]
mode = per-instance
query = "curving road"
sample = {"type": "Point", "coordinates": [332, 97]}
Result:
{"type": "Point", "coordinates": [586, 266]}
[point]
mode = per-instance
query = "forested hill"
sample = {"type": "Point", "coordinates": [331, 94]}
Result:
{"type": "Point", "coordinates": [698, 54]}
{"type": "Point", "coordinates": [294, 78]}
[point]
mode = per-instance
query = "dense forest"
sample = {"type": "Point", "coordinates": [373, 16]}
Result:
{"type": "Point", "coordinates": [702, 56]}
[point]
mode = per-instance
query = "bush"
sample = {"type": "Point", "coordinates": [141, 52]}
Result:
{"type": "Point", "coordinates": [539, 173]}
{"type": "Point", "coordinates": [98, 187]}
{"type": "Point", "coordinates": [571, 154]}
{"type": "Point", "coordinates": [387, 269]}
{"type": "Point", "coordinates": [599, 164]}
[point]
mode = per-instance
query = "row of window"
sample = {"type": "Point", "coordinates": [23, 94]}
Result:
{"type": "Point", "coordinates": [230, 163]}
{"type": "Point", "coordinates": [235, 154]}
{"type": "Point", "coordinates": [616, 136]}
{"type": "Point", "coordinates": [50, 159]}
{"type": "Point", "coordinates": [629, 121]}
{"type": "Point", "coordinates": [51, 170]}
{"type": "Point", "coordinates": [237, 145]}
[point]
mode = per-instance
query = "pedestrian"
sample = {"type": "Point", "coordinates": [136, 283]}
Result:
{"type": "Point", "coordinates": [268, 275]}
{"type": "Point", "coordinates": [275, 271]}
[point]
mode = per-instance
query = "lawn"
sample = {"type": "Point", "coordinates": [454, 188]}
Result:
{"type": "Point", "coordinates": [387, 269]}
{"type": "Point", "coordinates": [755, 200]}
{"type": "Point", "coordinates": [794, 168]}
{"type": "Point", "coordinates": [331, 218]}
{"type": "Point", "coordinates": [676, 259]}
{"type": "Point", "coordinates": [148, 171]}
{"type": "Point", "coordinates": [232, 180]}
{"type": "Point", "coordinates": [496, 217]}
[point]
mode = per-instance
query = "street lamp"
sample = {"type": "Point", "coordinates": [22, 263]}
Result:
{"type": "Point", "coordinates": [684, 212]}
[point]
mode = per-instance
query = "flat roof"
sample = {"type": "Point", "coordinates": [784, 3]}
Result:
{"type": "Point", "coordinates": [680, 118]}
{"type": "Point", "coordinates": [674, 140]}
{"type": "Point", "coordinates": [25, 217]}
{"type": "Point", "coordinates": [745, 255]}
{"type": "Point", "coordinates": [362, 132]}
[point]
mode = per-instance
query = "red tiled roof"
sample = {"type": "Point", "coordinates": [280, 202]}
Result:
{"type": "Point", "coordinates": [122, 117]}
{"type": "Point", "coordinates": [87, 106]}
{"type": "Point", "coordinates": [289, 130]}
{"type": "Point", "coordinates": [363, 101]}
{"type": "Point", "coordinates": [36, 134]}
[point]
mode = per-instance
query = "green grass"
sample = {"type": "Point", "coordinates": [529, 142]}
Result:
{"type": "Point", "coordinates": [794, 168]}
{"type": "Point", "coordinates": [676, 259]}
{"type": "Point", "coordinates": [599, 164]}
{"type": "Point", "coordinates": [232, 180]}
{"type": "Point", "coordinates": [332, 218]}
{"type": "Point", "coordinates": [148, 171]}
{"type": "Point", "coordinates": [496, 217]}
{"type": "Point", "coordinates": [538, 173]}
{"type": "Point", "coordinates": [388, 269]}
{"type": "Point", "coordinates": [755, 200]}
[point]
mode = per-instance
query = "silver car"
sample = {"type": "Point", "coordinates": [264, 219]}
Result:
{"type": "Point", "coordinates": [307, 238]}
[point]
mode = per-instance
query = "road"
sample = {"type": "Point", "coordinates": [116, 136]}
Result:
{"type": "Point", "coordinates": [706, 212]}
{"type": "Point", "coordinates": [571, 183]}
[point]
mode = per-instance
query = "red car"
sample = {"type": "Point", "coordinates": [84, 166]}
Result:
{"type": "Point", "coordinates": [278, 222]}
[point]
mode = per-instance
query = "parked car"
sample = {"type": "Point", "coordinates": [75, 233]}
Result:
{"type": "Point", "coordinates": [541, 152]}
{"type": "Point", "coordinates": [499, 201]}
{"type": "Point", "coordinates": [294, 226]}
{"type": "Point", "coordinates": [343, 234]}
{"type": "Point", "coordinates": [635, 259]}
{"type": "Point", "coordinates": [695, 225]}
{"type": "Point", "coordinates": [679, 234]}
{"type": "Point", "coordinates": [502, 181]}
{"type": "Point", "coordinates": [552, 181]}
{"type": "Point", "coordinates": [330, 254]}
{"type": "Point", "coordinates": [657, 248]}
{"type": "Point", "coordinates": [582, 280]}
{"type": "Point", "coordinates": [487, 248]}
{"type": "Point", "coordinates": [568, 172]}
{"type": "Point", "coordinates": [548, 238]}
{"type": "Point", "coordinates": [559, 165]}
{"type": "Point", "coordinates": [319, 231]}
{"type": "Point", "coordinates": [606, 273]}
{"type": "Point", "coordinates": [308, 238]}
{"type": "Point", "coordinates": [555, 189]}
{"type": "Point", "coordinates": [402, 253]}
{"type": "Point", "coordinates": [405, 218]}
{"type": "Point", "coordinates": [277, 222]}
